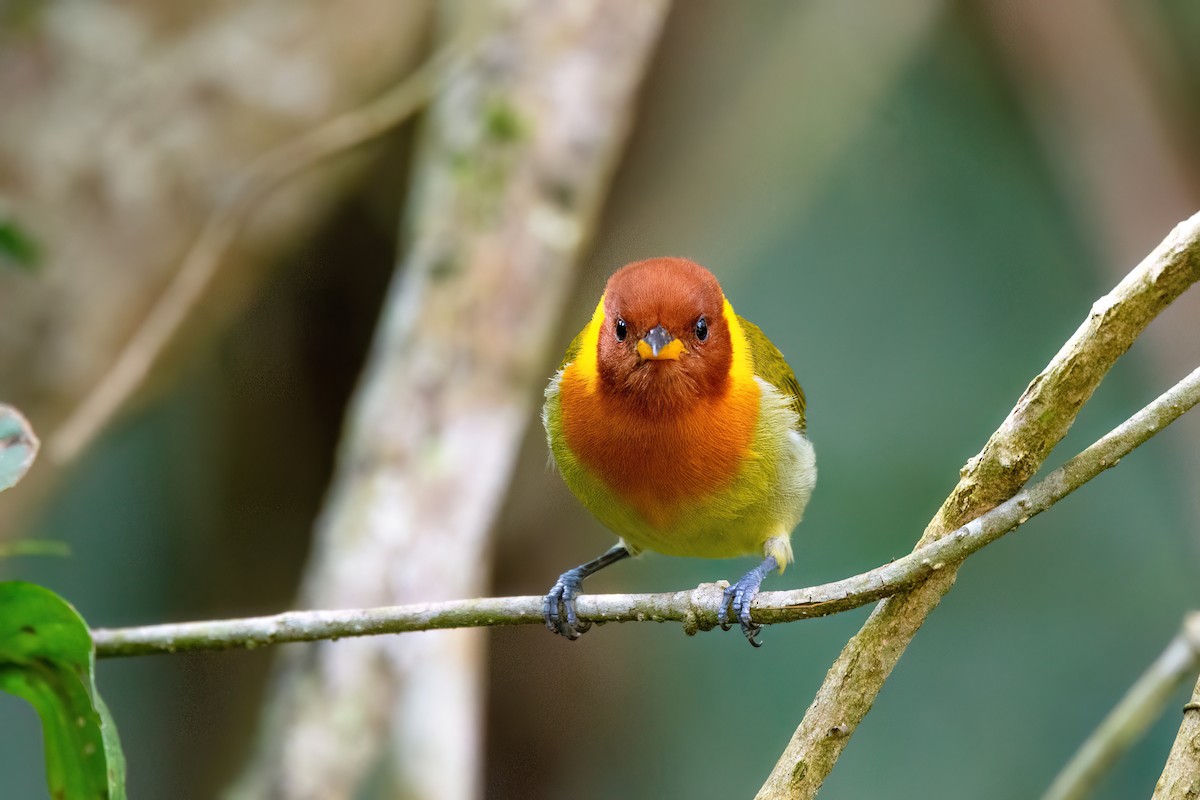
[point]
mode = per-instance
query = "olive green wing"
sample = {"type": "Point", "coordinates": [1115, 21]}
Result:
{"type": "Point", "coordinates": [573, 349]}
{"type": "Point", "coordinates": [770, 365]}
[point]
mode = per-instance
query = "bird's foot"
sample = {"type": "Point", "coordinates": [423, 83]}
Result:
{"type": "Point", "coordinates": [558, 608]}
{"type": "Point", "coordinates": [738, 598]}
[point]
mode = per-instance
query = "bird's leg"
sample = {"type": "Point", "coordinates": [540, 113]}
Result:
{"type": "Point", "coordinates": [740, 595]}
{"type": "Point", "coordinates": [558, 608]}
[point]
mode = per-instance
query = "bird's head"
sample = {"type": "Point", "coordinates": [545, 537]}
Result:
{"type": "Point", "coordinates": [664, 343]}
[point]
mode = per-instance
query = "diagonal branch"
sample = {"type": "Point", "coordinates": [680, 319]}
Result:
{"type": "Point", "coordinates": [697, 608]}
{"type": "Point", "coordinates": [1126, 723]}
{"type": "Point", "coordinates": [1180, 779]}
{"type": "Point", "coordinates": [1010, 457]}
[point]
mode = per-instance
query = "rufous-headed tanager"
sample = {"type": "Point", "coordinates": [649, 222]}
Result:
{"type": "Point", "coordinates": [681, 427]}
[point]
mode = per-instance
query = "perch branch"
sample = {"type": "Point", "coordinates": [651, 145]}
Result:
{"type": "Point", "coordinates": [696, 608]}
{"type": "Point", "coordinates": [1041, 417]}
{"type": "Point", "coordinates": [1126, 723]}
{"type": "Point", "coordinates": [203, 258]}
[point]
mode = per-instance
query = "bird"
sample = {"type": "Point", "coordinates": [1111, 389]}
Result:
{"type": "Point", "coordinates": [681, 427]}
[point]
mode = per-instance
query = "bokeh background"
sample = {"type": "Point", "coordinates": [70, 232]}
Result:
{"type": "Point", "coordinates": [918, 202]}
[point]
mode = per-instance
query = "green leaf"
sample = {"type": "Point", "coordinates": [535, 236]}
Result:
{"type": "Point", "coordinates": [17, 247]}
{"type": "Point", "coordinates": [46, 657]}
{"type": "Point", "coordinates": [18, 446]}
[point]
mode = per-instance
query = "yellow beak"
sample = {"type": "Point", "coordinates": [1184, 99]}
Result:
{"type": "Point", "coordinates": [659, 345]}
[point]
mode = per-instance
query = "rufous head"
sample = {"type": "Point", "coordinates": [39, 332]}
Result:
{"type": "Point", "coordinates": [664, 344]}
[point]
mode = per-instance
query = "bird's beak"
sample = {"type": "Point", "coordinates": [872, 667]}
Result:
{"type": "Point", "coordinates": [659, 346]}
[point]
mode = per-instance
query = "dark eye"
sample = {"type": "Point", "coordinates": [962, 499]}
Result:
{"type": "Point", "coordinates": [622, 330]}
{"type": "Point", "coordinates": [702, 329]}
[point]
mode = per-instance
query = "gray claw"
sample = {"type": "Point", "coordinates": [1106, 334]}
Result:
{"type": "Point", "coordinates": [739, 597]}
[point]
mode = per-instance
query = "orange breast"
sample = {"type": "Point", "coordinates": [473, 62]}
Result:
{"type": "Point", "coordinates": [659, 464]}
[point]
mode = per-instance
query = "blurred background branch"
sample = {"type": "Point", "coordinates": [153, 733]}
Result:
{"type": "Point", "coordinates": [512, 169]}
{"type": "Point", "coordinates": [1128, 721]}
{"type": "Point", "coordinates": [145, 117]}
{"type": "Point", "coordinates": [199, 267]}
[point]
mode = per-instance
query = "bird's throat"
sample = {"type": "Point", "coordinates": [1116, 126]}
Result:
{"type": "Point", "coordinates": [659, 457]}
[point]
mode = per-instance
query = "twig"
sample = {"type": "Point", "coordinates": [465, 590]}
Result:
{"type": "Point", "coordinates": [1126, 723]}
{"type": "Point", "coordinates": [697, 608]}
{"type": "Point", "coordinates": [203, 259]}
{"type": "Point", "coordinates": [34, 547]}
{"type": "Point", "coordinates": [1011, 456]}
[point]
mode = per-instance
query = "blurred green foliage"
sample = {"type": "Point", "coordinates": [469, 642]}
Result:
{"type": "Point", "coordinates": [17, 247]}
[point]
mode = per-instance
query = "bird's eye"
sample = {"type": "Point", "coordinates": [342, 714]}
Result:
{"type": "Point", "coordinates": [622, 330]}
{"type": "Point", "coordinates": [702, 329]}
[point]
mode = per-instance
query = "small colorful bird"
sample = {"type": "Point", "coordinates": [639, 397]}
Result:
{"type": "Point", "coordinates": [681, 427]}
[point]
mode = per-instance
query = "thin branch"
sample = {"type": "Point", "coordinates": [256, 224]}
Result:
{"type": "Point", "coordinates": [1128, 721]}
{"type": "Point", "coordinates": [1010, 457]}
{"type": "Point", "coordinates": [203, 259]}
{"type": "Point", "coordinates": [696, 608]}
{"type": "Point", "coordinates": [34, 547]}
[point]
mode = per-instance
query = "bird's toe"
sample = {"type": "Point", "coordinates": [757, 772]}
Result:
{"type": "Point", "coordinates": [558, 609]}
{"type": "Point", "coordinates": [749, 629]}
{"type": "Point", "coordinates": [552, 610]}
{"type": "Point", "coordinates": [723, 611]}
{"type": "Point", "coordinates": [738, 599]}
